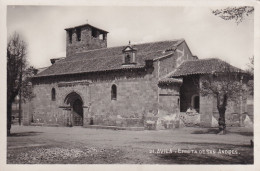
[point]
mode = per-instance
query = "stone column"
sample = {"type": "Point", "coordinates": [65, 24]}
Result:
{"type": "Point", "coordinates": [86, 120]}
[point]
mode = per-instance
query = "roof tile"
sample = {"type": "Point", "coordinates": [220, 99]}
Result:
{"type": "Point", "coordinates": [203, 66]}
{"type": "Point", "coordinates": [106, 59]}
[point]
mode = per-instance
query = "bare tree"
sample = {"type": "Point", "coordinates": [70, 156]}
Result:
{"type": "Point", "coordinates": [250, 71]}
{"type": "Point", "coordinates": [17, 74]}
{"type": "Point", "coordinates": [234, 13]}
{"type": "Point", "coordinates": [224, 86]}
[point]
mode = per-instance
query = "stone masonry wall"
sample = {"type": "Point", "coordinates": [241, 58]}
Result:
{"type": "Point", "coordinates": [87, 42]}
{"type": "Point", "coordinates": [46, 111]}
{"type": "Point", "coordinates": [136, 96]}
{"type": "Point", "coordinates": [183, 53]}
{"type": "Point", "coordinates": [208, 109]}
{"type": "Point", "coordinates": [168, 100]}
{"type": "Point", "coordinates": [169, 64]}
{"type": "Point", "coordinates": [166, 65]}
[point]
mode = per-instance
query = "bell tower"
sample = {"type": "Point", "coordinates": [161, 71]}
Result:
{"type": "Point", "coordinates": [83, 38]}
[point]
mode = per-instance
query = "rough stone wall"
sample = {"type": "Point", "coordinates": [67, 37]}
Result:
{"type": "Point", "coordinates": [136, 96]}
{"type": "Point", "coordinates": [250, 107]}
{"type": "Point", "coordinates": [168, 100]}
{"type": "Point", "coordinates": [166, 65]}
{"type": "Point", "coordinates": [26, 111]}
{"type": "Point", "coordinates": [208, 109]}
{"type": "Point", "coordinates": [232, 113]}
{"type": "Point", "coordinates": [183, 54]}
{"type": "Point", "coordinates": [45, 110]}
{"type": "Point", "coordinates": [87, 42]}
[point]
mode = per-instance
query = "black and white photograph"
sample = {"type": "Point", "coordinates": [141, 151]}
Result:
{"type": "Point", "coordinates": [97, 84]}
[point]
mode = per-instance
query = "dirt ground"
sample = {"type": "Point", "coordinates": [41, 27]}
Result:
{"type": "Point", "coordinates": [77, 145]}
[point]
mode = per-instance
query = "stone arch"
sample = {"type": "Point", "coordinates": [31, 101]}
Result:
{"type": "Point", "coordinates": [70, 95]}
{"type": "Point", "coordinates": [75, 103]}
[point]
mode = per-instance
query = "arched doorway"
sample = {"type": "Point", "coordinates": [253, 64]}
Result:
{"type": "Point", "coordinates": [195, 101]}
{"type": "Point", "coordinates": [77, 113]}
{"type": "Point", "coordinates": [75, 101]}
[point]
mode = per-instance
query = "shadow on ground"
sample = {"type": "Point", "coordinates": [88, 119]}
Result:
{"type": "Point", "coordinates": [208, 131]}
{"type": "Point", "coordinates": [203, 159]}
{"type": "Point", "coordinates": [22, 134]}
{"type": "Point", "coordinates": [244, 133]}
{"type": "Point", "coordinates": [216, 131]}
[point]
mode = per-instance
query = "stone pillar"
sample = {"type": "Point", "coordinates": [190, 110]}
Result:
{"type": "Point", "coordinates": [86, 120]}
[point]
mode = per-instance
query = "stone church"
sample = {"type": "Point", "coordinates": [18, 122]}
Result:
{"type": "Point", "coordinates": [122, 86]}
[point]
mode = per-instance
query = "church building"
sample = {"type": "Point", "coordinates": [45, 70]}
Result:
{"type": "Point", "coordinates": [122, 87]}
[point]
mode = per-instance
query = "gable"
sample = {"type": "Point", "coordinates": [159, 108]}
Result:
{"type": "Point", "coordinates": [128, 49]}
{"type": "Point", "coordinates": [183, 53]}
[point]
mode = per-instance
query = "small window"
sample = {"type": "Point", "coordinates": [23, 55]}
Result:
{"type": "Point", "coordinates": [113, 92]}
{"type": "Point", "coordinates": [127, 59]}
{"type": "Point", "coordinates": [53, 94]}
{"type": "Point", "coordinates": [70, 36]}
{"type": "Point", "coordinates": [78, 31]}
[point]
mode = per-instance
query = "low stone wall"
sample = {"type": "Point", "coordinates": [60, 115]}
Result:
{"type": "Point", "coordinates": [116, 121]}
{"type": "Point", "coordinates": [150, 122]}
{"type": "Point", "coordinates": [190, 119]}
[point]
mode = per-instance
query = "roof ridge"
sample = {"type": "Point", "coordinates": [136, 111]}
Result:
{"type": "Point", "coordinates": [87, 59]}
{"type": "Point", "coordinates": [161, 41]}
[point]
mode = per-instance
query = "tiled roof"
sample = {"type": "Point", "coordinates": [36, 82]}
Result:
{"type": "Point", "coordinates": [109, 59]}
{"type": "Point", "coordinates": [203, 66]}
{"type": "Point", "coordinates": [41, 69]}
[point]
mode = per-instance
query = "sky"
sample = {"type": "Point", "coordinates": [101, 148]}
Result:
{"type": "Point", "coordinates": [207, 35]}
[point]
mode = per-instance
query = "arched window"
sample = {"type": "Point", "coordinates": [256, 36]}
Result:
{"type": "Point", "coordinates": [127, 59]}
{"type": "Point", "coordinates": [113, 92]}
{"type": "Point", "coordinates": [53, 94]}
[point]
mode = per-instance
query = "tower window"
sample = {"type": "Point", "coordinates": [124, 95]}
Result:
{"type": "Point", "coordinates": [127, 59]}
{"type": "Point", "coordinates": [53, 94]}
{"type": "Point", "coordinates": [101, 37]}
{"type": "Point", "coordinates": [70, 36]}
{"type": "Point", "coordinates": [104, 36]}
{"type": "Point", "coordinates": [113, 92]}
{"type": "Point", "coordinates": [78, 32]}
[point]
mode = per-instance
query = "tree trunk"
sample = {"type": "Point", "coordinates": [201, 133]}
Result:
{"type": "Point", "coordinates": [222, 120]}
{"type": "Point", "coordinates": [9, 118]}
{"type": "Point", "coordinates": [221, 105]}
